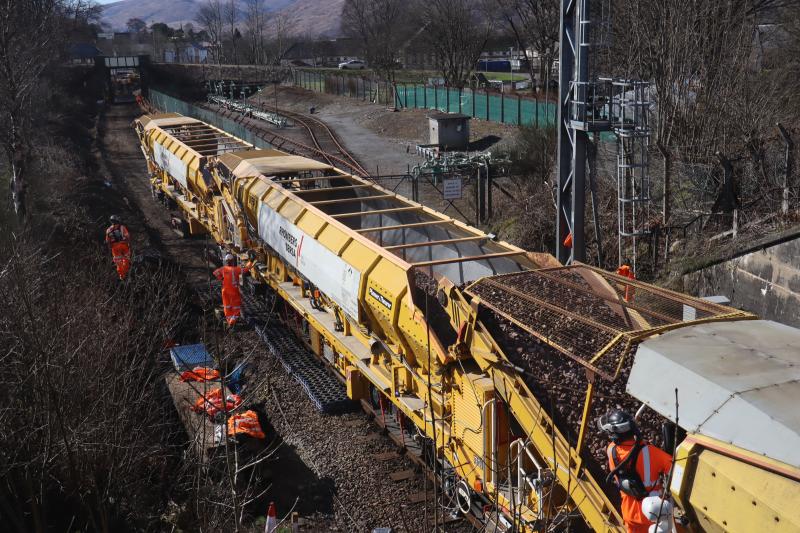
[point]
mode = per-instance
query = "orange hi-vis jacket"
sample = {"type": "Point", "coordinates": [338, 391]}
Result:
{"type": "Point", "coordinates": [231, 297]}
{"type": "Point", "coordinates": [200, 373]}
{"type": "Point", "coordinates": [651, 462]}
{"type": "Point", "coordinates": [118, 239]}
{"type": "Point", "coordinates": [213, 402]}
{"type": "Point", "coordinates": [245, 424]}
{"type": "Point", "coordinates": [625, 271]}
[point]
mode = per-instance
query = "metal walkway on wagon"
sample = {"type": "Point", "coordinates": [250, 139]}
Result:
{"type": "Point", "coordinates": [590, 315]}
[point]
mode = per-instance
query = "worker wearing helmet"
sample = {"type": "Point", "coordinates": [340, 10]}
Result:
{"type": "Point", "coordinates": [119, 242]}
{"type": "Point", "coordinates": [230, 274]}
{"type": "Point", "coordinates": [635, 466]}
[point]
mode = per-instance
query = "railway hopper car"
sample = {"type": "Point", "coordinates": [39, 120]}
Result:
{"type": "Point", "coordinates": [425, 313]}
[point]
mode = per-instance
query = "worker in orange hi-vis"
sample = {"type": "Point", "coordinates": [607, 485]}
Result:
{"type": "Point", "coordinates": [230, 275]}
{"type": "Point", "coordinates": [626, 271]}
{"type": "Point", "coordinates": [119, 242]}
{"type": "Point", "coordinates": [636, 467]}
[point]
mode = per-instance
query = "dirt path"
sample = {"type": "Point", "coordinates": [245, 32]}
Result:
{"type": "Point", "coordinates": [122, 160]}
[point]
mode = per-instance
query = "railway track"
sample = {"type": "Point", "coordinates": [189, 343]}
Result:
{"type": "Point", "coordinates": [325, 145]}
{"type": "Point", "coordinates": [324, 138]}
{"type": "Point", "coordinates": [377, 446]}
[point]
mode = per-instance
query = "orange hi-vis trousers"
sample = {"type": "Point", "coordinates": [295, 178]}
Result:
{"type": "Point", "coordinates": [121, 253]}
{"type": "Point", "coordinates": [231, 297]}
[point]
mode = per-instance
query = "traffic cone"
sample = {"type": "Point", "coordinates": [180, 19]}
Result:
{"type": "Point", "coordinates": [272, 519]}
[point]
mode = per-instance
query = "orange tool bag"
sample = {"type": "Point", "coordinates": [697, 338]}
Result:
{"type": "Point", "coordinates": [245, 424]}
{"type": "Point", "coordinates": [212, 403]}
{"type": "Point", "coordinates": [200, 373]}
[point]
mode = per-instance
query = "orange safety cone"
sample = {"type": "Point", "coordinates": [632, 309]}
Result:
{"type": "Point", "coordinates": [272, 519]}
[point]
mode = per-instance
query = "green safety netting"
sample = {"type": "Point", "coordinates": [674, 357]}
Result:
{"type": "Point", "coordinates": [508, 109]}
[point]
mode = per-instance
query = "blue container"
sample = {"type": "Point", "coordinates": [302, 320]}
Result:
{"type": "Point", "coordinates": [190, 356]}
{"type": "Point", "coordinates": [235, 378]}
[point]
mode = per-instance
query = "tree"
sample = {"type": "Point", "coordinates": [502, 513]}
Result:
{"type": "Point", "coordinates": [136, 25]}
{"type": "Point", "coordinates": [210, 19]}
{"type": "Point", "coordinates": [703, 85]}
{"type": "Point", "coordinates": [534, 24]}
{"type": "Point", "coordinates": [456, 31]}
{"type": "Point", "coordinates": [380, 27]}
{"type": "Point", "coordinates": [32, 38]}
{"type": "Point", "coordinates": [231, 14]}
{"type": "Point", "coordinates": [161, 34]}
{"type": "Point", "coordinates": [281, 26]}
{"type": "Point", "coordinates": [256, 25]}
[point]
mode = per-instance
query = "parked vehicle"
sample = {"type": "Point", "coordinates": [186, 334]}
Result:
{"type": "Point", "coordinates": [353, 64]}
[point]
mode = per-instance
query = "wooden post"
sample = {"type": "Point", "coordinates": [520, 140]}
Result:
{"type": "Point", "coordinates": [489, 210]}
{"type": "Point", "coordinates": [482, 193]}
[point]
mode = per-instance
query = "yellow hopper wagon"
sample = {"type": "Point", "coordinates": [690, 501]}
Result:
{"type": "Point", "coordinates": [499, 359]}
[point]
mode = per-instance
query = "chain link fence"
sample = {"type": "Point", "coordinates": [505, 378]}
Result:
{"type": "Point", "coordinates": [493, 106]}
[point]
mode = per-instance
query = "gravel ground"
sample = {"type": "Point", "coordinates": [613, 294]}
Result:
{"type": "Point", "coordinates": [343, 450]}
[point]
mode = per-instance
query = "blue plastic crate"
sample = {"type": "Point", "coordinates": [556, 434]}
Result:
{"type": "Point", "coordinates": [190, 356]}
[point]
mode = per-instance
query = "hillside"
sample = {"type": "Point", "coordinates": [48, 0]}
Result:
{"type": "Point", "coordinates": [310, 17]}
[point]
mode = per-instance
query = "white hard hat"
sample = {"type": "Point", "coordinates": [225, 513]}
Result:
{"type": "Point", "coordinates": [657, 508]}
{"type": "Point", "coordinates": [229, 258]}
{"type": "Point", "coordinates": [663, 526]}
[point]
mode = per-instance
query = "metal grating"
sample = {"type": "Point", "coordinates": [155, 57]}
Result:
{"type": "Point", "coordinates": [590, 315]}
{"type": "Point", "coordinates": [202, 138]}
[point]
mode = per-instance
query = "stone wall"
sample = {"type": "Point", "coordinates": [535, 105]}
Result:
{"type": "Point", "coordinates": [765, 281]}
